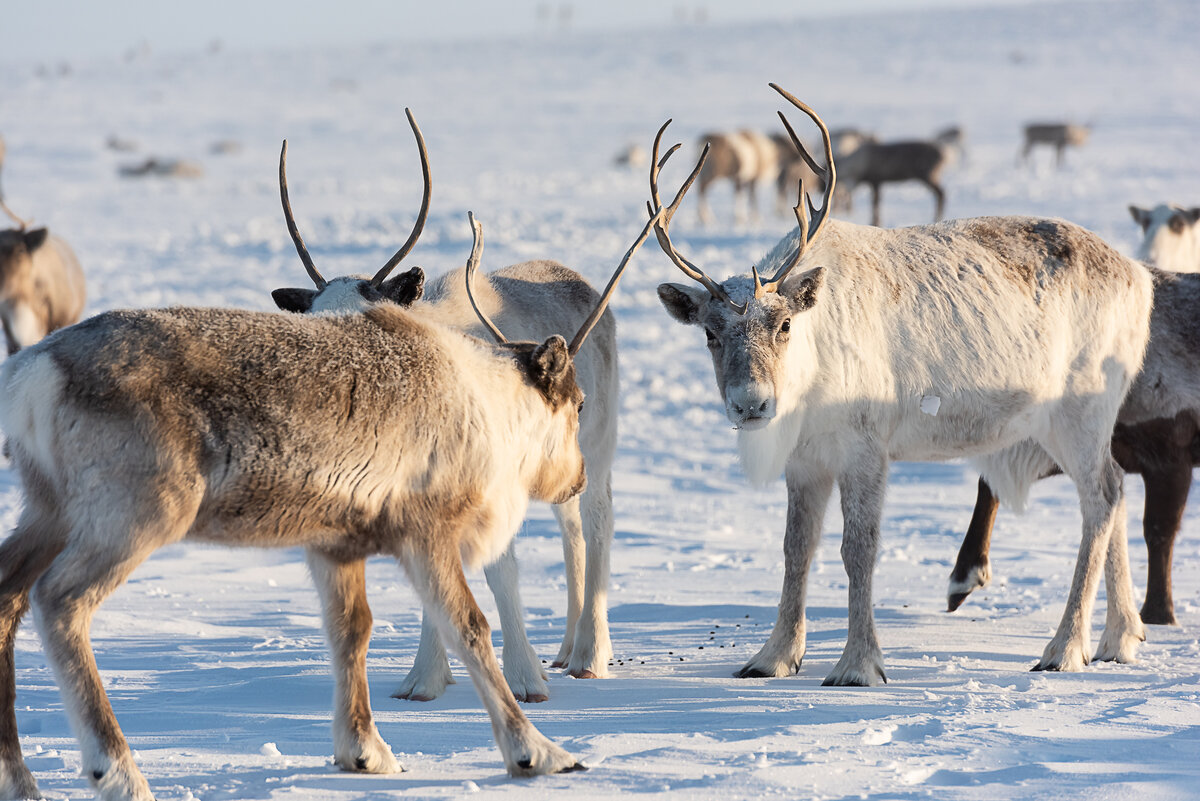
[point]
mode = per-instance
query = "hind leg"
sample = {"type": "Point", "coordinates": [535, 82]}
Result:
{"type": "Point", "coordinates": [24, 556]}
{"type": "Point", "coordinates": [435, 568]}
{"type": "Point", "coordinates": [342, 587]}
{"type": "Point", "coordinates": [1101, 498]}
{"type": "Point", "coordinates": [593, 647]}
{"type": "Point", "coordinates": [1166, 497]}
{"type": "Point", "coordinates": [1123, 629]}
{"type": "Point", "coordinates": [430, 672]}
{"type": "Point", "coordinates": [570, 522]}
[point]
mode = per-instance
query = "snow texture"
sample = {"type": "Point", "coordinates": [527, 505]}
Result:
{"type": "Point", "coordinates": [215, 662]}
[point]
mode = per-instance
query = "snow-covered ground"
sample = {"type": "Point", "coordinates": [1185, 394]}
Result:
{"type": "Point", "coordinates": [215, 661]}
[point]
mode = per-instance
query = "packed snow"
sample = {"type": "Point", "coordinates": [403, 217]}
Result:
{"type": "Point", "coordinates": [215, 661]}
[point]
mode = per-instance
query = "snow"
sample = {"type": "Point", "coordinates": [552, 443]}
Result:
{"type": "Point", "coordinates": [215, 662]}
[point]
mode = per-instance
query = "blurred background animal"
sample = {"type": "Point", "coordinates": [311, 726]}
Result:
{"type": "Point", "coordinates": [745, 158]}
{"type": "Point", "coordinates": [1170, 239]}
{"type": "Point", "coordinates": [1054, 134]}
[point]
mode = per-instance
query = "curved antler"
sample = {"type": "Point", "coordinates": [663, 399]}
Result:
{"type": "Point", "coordinates": [472, 266]}
{"type": "Point", "coordinates": [805, 218]}
{"type": "Point", "coordinates": [423, 215]}
{"type": "Point", "coordinates": [655, 207]}
{"type": "Point", "coordinates": [594, 317]}
{"type": "Point", "coordinates": [21, 224]}
{"type": "Point", "coordinates": [311, 268]}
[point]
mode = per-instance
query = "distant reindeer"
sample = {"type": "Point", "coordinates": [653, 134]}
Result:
{"type": "Point", "coordinates": [632, 156]}
{"type": "Point", "coordinates": [1170, 237]}
{"type": "Point", "coordinates": [140, 428]}
{"type": "Point", "coordinates": [831, 359]}
{"type": "Point", "coordinates": [745, 158]}
{"type": "Point", "coordinates": [1156, 430]}
{"type": "Point", "coordinates": [41, 284]}
{"type": "Point", "coordinates": [794, 170]}
{"type": "Point", "coordinates": [527, 299]}
{"type": "Point", "coordinates": [877, 163]}
{"type": "Point", "coordinates": [1055, 134]}
{"type": "Point", "coordinates": [162, 168]}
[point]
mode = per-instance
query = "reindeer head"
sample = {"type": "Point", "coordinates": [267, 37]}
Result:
{"type": "Point", "coordinates": [355, 292]}
{"type": "Point", "coordinates": [1169, 236]}
{"type": "Point", "coordinates": [756, 328]}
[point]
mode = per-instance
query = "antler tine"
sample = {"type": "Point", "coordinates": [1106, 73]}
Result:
{"type": "Point", "coordinates": [660, 229]}
{"type": "Point", "coordinates": [422, 216]}
{"type": "Point", "coordinates": [801, 149]}
{"type": "Point", "coordinates": [472, 266]}
{"type": "Point", "coordinates": [812, 220]}
{"type": "Point", "coordinates": [21, 224]}
{"type": "Point", "coordinates": [594, 317]}
{"type": "Point", "coordinates": [311, 268]}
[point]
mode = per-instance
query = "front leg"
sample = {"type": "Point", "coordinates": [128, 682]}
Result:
{"type": "Point", "coordinates": [522, 670]}
{"type": "Point", "coordinates": [342, 587]}
{"type": "Point", "coordinates": [862, 491]}
{"type": "Point", "coordinates": [592, 645]}
{"type": "Point", "coordinates": [808, 496]}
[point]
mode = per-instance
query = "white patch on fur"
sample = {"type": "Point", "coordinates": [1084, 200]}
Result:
{"type": "Point", "coordinates": [341, 296]}
{"type": "Point", "coordinates": [978, 577]}
{"type": "Point", "coordinates": [30, 388]}
{"type": "Point", "coordinates": [930, 404]}
{"type": "Point", "coordinates": [1011, 472]}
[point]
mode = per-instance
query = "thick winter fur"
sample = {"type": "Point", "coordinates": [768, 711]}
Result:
{"type": "Point", "coordinates": [1028, 333]}
{"type": "Point", "coordinates": [531, 301]}
{"type": "Point", "coordinates": [1156, 437]}
{"type": "Point", "coordinates": [41, 286]}
{"type": "Point", "coordinates": [1170, 237]}
{"type": "Point", "coordinates": [746, 158]}
{"type": "Point", "coordinates": [877, 163]}
{"type": "Point", "coordinates": [1054, 134]}
{"type": "Point", "coordinates": [347, 435]}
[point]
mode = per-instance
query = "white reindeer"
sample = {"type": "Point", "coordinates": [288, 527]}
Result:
{"type": "Point", "coordinates": [530, 300]}
{"type": "Point", "coordinates": [1008, 339]}
{"type": "Point", "coordinates": [1170, 237]}
{"type": "Point", "coordinates": [348, 435]}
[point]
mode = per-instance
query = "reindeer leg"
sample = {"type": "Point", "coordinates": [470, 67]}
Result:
{"type": "Point", "coordinates": [593, 647]}
{"type": "Point", "coordinates": [1101, 500]}
{"type": "Point", "coordinates": [972, 569]}
{"type": "Point", "coordinates": [1167, 489]}
{"type": "Point", "coordinates": [862, 494]}
{"type": "Point", "coordinates": [24, 556]}
{"type": "Point", "coordinates": [342, 587]}
{"type": "Point", "coordinates": [875, 192]}
{"type": "Point", "coordinates": [1123, 629]}
{"type": "Point", "coordinates": [436, 572]}
{"type": "Point", "coordinates": [808, 496]}
{"type": "Point", "coordinates": [570, 522]}
{"type": "Point", "coordinates": [940, 195]}
{"type": "Point", "coordinates": [522, 669]}
{"type": "Point", "coordinates": [430, 672]}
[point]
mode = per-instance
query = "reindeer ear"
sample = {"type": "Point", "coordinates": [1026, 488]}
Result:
{"type": "Point", "coordinates": [1140, 216]}
{"type": "Point", "coordinates": [35, 239]}
{"type": "Point", "coordinates": [550, 359]}
{"type": "Point", "coordinates": [294, 300]}
{"type": "Point", "coordinates": [682, 302]}
{"type": "Point", "coordinates": [1193, 215]}
{"type": "Point", "coordinates": [802, 290]}
{"type": "Point", "coordinates": [404, 289]}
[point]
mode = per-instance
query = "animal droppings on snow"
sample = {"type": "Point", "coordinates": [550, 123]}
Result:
{"type": "Point", "coordinates": [930, 404]}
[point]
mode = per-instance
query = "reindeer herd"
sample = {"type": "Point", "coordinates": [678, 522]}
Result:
{"type": "Point", "coordinates": [387, 415]}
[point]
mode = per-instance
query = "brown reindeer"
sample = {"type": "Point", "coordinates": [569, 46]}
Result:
{"type": "Point", "coordinates": [41, 284]}
{"type": "Point", "coordinates": [1054, 134]}
{"type": "Point", "coordinates": [879, 163]}
{"type": "Point", "coordinates": [746, 158]}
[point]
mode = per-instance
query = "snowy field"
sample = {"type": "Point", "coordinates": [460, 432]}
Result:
{"type": "Point", "coordinates": [215, 661]}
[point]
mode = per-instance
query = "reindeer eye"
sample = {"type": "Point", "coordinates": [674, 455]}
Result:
{"type": "Point", "coordinates": [579, 408]}
{"type": "Point", "coordinates": [786, 327]}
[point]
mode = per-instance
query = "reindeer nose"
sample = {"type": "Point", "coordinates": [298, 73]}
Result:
{"type": "Point", "coordinates": [750, 402]}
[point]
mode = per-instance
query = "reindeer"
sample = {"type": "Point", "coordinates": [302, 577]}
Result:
{"type": "Point", "coordinates": [1056, 134]}
{"type": "Point", "coordinates": [349, 435]}
{"type": "Point", "coordinates": [795, 171]}
{"type": "Point", "coordinates": [1156, 434]}
{"type": "Point", "coordinates": [41, 284]}
{"type": "Point", "coordinates": [745, 158]}
{"type": "Point", "coordinates": [1170, 237]}
{"type": "Point", "coordinates": [1008, 340]}
{"type": "Point", "coordinates": [879, 163]}
{"type": "Point", "coordinates": [531, 299]}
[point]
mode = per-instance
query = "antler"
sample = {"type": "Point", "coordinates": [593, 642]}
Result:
{"type": "Point", "coordinates": [419, 225]}
{"type": "Point", "coordinates": [472, 266]}
{"type": "Point", "coordinates": [22, 224]}
{"type": "Point", "coordinates": [311, 268]}
{"type": "Point", "coordinates": [594, 317]}
{"type": "Point", "coordinates": [805, 217]}
{"type": "Point", "coordinates": [655, 207]}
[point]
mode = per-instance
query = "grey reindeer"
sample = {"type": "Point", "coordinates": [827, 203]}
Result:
{"type": "Point", "coordinates": [831, 360]}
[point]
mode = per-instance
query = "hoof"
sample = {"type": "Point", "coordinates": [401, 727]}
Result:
{"type": "Point", "coordinates": [533, 698]}
{"type": "Point", "coordinates": [578, 766]}
{"type": "Point", "coordinates": [583, 674]}
{"type": "Point", "coordinates": [955, 600]}
{"type": "Point", "coordinates": [749, 672]}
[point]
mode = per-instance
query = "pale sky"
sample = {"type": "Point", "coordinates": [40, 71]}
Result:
{"type": "Point", "coordinates": [54, 30]}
